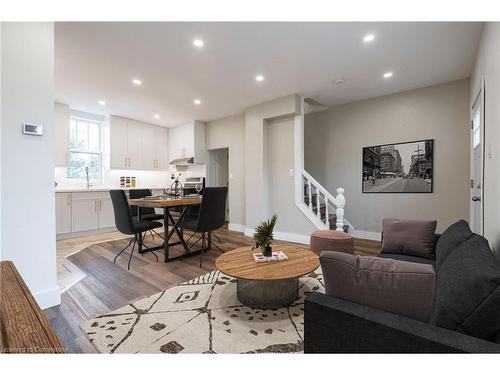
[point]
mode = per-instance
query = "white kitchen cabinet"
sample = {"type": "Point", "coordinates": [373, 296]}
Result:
{"type": "Point", "coordinates": [84, 214]}
{"type": "Point", "coordinates": [187, 141]}
{"type": "Point", "coordinates": [118, 142]}
{"type": "Point", "coordinates": [125, 143]}
{"type": "Point", "coordinates": [161, 146]}
{"type": "Point", "coordinates": [149, 147]}
{"type": "Point", "coordinates": [134, 144]}
{"type": "Point", "coordinates": [106, 213]}
{"type": "Point", "coordinates": [63, 213]}
{"type": "Point", "coordinates": [91, 210]}
{"type": "Point", "coordinates": [61, 134]}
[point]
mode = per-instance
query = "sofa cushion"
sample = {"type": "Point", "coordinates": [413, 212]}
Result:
{"type": "Point", "coordinates": [407, 258]}
{"type": "Point", "coordinates": [409, 237]}
{"type": "Point", "coordinates": [454, 236]}
{"type": "Point", "coordinates": [399, 287]}
{"type": "Point", "coordinates": [468, 291]}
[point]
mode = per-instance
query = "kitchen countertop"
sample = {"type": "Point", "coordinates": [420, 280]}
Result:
{"type": "Point", "coordinates": [98, 189]}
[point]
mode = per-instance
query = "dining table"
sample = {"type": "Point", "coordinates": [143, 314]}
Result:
{"type": "Point", "coordinates": [170, 224]}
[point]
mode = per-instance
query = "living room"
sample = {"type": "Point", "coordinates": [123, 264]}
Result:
{"type": "Point", "coordinates": [323, 187]}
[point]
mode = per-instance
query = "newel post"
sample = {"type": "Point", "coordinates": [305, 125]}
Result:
{"type": "Point", "coordinates": [339, 211]}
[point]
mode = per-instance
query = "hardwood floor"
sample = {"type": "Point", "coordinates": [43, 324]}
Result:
{"type": "Point", "coordinates": [109, 286]}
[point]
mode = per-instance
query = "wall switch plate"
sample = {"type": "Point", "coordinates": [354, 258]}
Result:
{"type": "Point", "coordinates": [32, 129]}
{"type": "Point", "coordinates": [290, 172]}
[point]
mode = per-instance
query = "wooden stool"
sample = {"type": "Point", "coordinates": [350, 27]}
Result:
{"type": "Point", "coordinates": [331, 240]}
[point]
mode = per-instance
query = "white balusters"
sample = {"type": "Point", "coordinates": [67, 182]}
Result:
{"type": "Point", "coordinates": [327, 215]}
{"type": "Point", "coordinates": [340, 204]}
{"type": "Point", "coordinates": [310, 193]}
{"type": "Point", "coordinates": [318, 207]}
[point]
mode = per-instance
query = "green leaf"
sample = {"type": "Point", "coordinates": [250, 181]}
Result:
{"type": "Point", "coordinates": [264, 232]}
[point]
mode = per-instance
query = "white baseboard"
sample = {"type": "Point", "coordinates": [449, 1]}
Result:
{"type": "Point", "coordinates": [375, 236]}
{"type": "Point", "coordinates": [48, 297]}
{"type": "Point", "coordinates": [236, 227]}
{"type": "Point", "coordinates": [283, 236]}
{"type": "Point", "coordinates": [65, 236]}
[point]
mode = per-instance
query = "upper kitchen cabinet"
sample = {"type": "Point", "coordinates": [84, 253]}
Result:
{"type": "Point", "coordinates": [61, 135]}
{"type": "Point", "coordinates": [187, 141]}
{"type": "Point", "coordinates": [137, 145]}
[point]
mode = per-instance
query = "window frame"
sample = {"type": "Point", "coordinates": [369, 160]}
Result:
{"type": "Point", "coordinates": [100, 153]}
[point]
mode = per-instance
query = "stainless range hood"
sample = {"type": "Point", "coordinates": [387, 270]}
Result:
{"type": "Point", "coordinates": [182, 162]}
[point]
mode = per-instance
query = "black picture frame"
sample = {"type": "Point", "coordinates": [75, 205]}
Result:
{"type": "Point", "coordinates": [394, 168]}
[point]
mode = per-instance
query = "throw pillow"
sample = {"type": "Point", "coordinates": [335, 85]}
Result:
{"type": "Point", "coordinates": [468, 291]}
{"type": "Point", "coordinates": [399, 287]}
{"type": "Point", "coordinates": [409, 237]}
{"type": "Point", "coordinates": [455, 235]}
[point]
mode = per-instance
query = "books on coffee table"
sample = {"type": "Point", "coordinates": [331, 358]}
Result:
{"type": "Point", "coordinates": [277, 256]}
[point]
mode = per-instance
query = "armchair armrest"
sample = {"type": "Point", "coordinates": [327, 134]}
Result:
{"type": "Point", "coordinates": [333, 325]}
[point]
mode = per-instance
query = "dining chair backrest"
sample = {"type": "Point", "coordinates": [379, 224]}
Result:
{"type": "Point", "coordinates": [139, 194]}
{"type": "Point", "coordinates": [212, 214]}
{"type": "Point", "coordinates": [123, 217]}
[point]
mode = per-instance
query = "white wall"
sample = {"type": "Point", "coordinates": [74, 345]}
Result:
{"type": "Point", "coordinates": [229, 133]}
{"type": "Point", "coordinates": [488, 64]}
{"type": "Point", "coordinates": [28, 206]}
{"type": "Point", "coordinates": [333, 152]}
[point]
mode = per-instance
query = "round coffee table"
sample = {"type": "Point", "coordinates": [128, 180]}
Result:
{"type": "Point", "coordinates": [270, 284]}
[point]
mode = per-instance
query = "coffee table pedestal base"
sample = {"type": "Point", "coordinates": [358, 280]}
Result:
{"type": "Point", "coordinates": [267, 294]}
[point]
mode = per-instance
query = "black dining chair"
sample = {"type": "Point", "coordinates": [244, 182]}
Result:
{"type": "Point", "coordinates": [127, 225]}
{"type": "Point", "coordinates": [146, 213]}
{"type": "Point", "coordinates": [212, 216]}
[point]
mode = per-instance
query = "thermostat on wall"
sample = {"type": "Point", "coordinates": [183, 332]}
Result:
{"type": "Point", "coordinates": [31, 129]}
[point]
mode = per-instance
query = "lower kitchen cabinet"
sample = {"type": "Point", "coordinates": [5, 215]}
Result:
{"type": "Point", "coordinates": [83, 211]}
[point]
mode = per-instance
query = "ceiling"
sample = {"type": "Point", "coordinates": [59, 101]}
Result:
{"type": "Point", "coordinates": [97, 61]}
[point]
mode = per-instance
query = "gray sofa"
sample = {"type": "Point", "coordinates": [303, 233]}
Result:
{"type": "Point", "coordinates": [465, 316]}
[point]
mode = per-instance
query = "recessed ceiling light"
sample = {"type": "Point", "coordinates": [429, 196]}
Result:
{"type": "Point", "coordinates": [156, 116]}
{"type": "Point", "coordinates": [197, 101]}
{"type": "Point", "coordinates": [368, 38]}
{"type": "Point", "coordinates": [387, 74]}
{"type": "Point", "coordinates": [338, 81]}
{"type": "Point", "coordinates": [101, 102]}
{"type": "Point", "coordinates": [198, 43]}
{"type": "Point", "coordinates": [137, 82]}
{"type": "Point", "coordinates": [259, 78]}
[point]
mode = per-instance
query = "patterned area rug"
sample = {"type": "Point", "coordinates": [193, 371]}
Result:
{"type": "Point", "coordinates": [202, 315]}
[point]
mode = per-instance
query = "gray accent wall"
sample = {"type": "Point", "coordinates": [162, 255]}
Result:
{"type": "Point", "coordinates": [488, 64]}
{"type": "Point", "coordinates": [333, 152]}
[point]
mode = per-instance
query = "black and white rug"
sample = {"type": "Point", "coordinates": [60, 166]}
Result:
{"type": "Point", "coordinates": [202, 315]}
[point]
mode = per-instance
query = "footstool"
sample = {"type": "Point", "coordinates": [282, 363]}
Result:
{"type": "Point", "coordinates": [331, 240]}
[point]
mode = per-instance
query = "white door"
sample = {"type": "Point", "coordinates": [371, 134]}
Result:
{"type": "Point", "coordinates": [134, 144]}
{"type": "Point", "coordinates": [118, 143]}
{"type": "Point", "coordinates": [477, 155]}
{"type": "Point", "coordinates": [63, 213]}
{"type": "Point", "coordinates": [106, 213]}
{"type": "Point", "coordinates": [84, 214]}
{"type": "Point", "coordinates": [148, 147]}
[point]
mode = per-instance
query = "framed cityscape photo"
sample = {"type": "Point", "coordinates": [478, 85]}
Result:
{"type": "Point", "coordinates": [405, 167]}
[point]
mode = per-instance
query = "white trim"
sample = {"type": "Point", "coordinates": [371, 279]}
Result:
{"type": "Point", "coordinates": [375, 236]}
{"type": "Point", "coordinates": [236, 227]}
{"type": "Point", "coordinates": [283, 236]}
{"type": "Point", "coordinates": [48, 298]}
{"type": "Point", "coordinates": [65, 236]}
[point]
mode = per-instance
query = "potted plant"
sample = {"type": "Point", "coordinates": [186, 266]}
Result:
{"type": "Point", "coordinates": [264, 235]}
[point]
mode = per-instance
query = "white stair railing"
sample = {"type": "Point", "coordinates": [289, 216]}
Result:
{"type": "Point", "coordinates": [318, 203]}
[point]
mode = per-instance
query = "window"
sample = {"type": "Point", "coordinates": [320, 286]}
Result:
{"type": "Point", "coordinates": [476, 129]}
{"type": "Point", "coordinates": [85, 149]}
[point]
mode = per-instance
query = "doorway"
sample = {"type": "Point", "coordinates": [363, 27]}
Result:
{"type": "Point", "coordinates": [477, 163]}
{"type": "Point", "coordinates": [218, 171]}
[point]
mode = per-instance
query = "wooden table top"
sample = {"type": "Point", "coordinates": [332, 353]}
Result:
{"type": "Point", "coordinates": [165, 202]}
{"type": "Point", "coordinates": [239, 263]}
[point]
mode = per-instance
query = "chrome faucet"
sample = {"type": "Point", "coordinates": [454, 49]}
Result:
{"type": "Point", "coordinates": [88, 179]}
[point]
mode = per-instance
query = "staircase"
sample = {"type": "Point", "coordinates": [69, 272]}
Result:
{"type": "Point", "coordinates": [324, 210]}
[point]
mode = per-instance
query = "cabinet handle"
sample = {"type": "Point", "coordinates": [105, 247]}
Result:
{"type": "Point", "coordinates": [125, 161]}
{"type": "Point", "coordinates": [66, 158]}
{"type": "Point", "coordinates": [100, 205]}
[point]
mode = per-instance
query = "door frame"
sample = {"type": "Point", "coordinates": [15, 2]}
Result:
{"type": "Point", "coordinates": [478, 98]}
